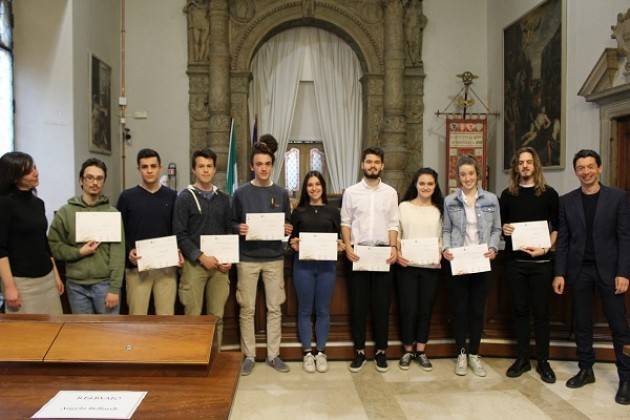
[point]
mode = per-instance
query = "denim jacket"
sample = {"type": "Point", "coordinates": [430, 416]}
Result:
{"type": "Point", "coordinates": [488, 220]}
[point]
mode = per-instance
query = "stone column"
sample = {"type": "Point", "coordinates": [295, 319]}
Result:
{"type": "Point", "coordinates": [372, 86]}
{"type": "Point", "coordinates": [240, 91]}
{"type": "Point", "coordinates": [414, 109]}
{"type": "Point", "coordinates": [219, 85]}
{"type": "Point", "coordinates": [393, 138]}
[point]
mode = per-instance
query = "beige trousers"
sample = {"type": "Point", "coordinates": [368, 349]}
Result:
{"type": "Point", "coordinates": [195, 279]}
{"type": "Point", "coordinates": [273, 280]}
{"type": "Point", "coordinates": [162, 282]}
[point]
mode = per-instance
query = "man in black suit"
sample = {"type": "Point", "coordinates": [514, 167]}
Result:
{"type": "Point", "coordinates": [593, 252]}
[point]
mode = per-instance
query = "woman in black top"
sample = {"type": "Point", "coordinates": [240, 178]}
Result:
{"type": "Point", "coordinates": [314, 280]}
{"type": "Point", "coordinates": [30, 281]}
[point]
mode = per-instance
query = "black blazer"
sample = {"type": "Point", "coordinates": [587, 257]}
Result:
{"type": "Point", "coordinates": [611, 233]}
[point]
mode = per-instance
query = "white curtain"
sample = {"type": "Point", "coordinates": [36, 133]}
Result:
{"type": "Point", "coordinates": [336, 74]}
{"type": "Point", "coordinates": [277, 69]}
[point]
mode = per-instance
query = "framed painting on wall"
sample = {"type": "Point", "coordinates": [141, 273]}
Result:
{"type": "Point", "coordinates": [533, 85]}
{"type": "Point", "coordinates": [100, 126]}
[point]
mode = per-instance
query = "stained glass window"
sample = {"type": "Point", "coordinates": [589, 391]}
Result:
{"type": "Point", "coordinates": [292, 169]}
{"type": "Point", "coordinates": [316, 160]}
{"type": "Point", "coordinates": [6, 78]}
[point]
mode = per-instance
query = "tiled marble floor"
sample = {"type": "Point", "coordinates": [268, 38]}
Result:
{"type": "Point", "coordinates": [415, 394]}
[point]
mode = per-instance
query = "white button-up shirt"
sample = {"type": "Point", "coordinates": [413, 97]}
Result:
{"type": "Point", "coordinates": [370, 213]}
{"type": "Point", "coordinates": [472, 231]}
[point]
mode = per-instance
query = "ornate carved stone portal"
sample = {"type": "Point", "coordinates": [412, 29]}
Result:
{"type": "Point", "coordinates": [224, 35]}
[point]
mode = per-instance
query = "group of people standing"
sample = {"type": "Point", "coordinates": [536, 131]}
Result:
{"type": "Point", "coordinates": [589, 228]}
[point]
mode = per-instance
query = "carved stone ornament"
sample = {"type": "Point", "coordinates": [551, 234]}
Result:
{"type": "Point", "coordinates": [224, 35]}
{"type": "Point", "coordinates": [198, 29]}
{"type": "Point", "coordinates": [621, 33]}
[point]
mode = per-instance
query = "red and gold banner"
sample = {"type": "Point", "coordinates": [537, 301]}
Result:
{"type": "Point", "coordinates": [465, 137]}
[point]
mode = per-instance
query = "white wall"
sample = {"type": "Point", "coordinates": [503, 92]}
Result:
{"type": "Point", "coordinates": [96, 30]}
{"type": "Point", "coordinates": [157, 83]}
{"type": "Point", "coordinates": [588, 33]}
{"type": "Point", "coordinates": [454, 41]}
{"type": "Point", "coordinates": [43, 94]}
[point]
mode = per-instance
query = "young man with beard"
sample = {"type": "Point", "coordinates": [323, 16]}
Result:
{"type": "Point", "coordinates": [592, 253]}
{"type": "Point", "coordinates": [529, 270]}
{"type": "Point", "coordinates": [147, 212]}
{"type": "Point", "coordinates": [94, 270]}
{"type": "Point", "coordinates": [257, 258]}
{"type": "Point", "coordinates": [369, 216]}
{"type": "Point", "coordinates": [202, 209]}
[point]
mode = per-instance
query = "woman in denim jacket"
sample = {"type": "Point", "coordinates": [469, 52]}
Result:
{"type": "Point", "coordinates": [471, 217]}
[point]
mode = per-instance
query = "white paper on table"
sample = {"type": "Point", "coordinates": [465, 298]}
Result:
{"type": "Point", "coordinates": [222, 247]}
{"type": "Point", "coordinates": [469, 259]}
{"type": "Point", "coordinates": [91, 405]}
{"type": "Point", "coordinates": [421, 251]}
{"type": "Point", "coordinates": [371, 258]}
{"type": "Point", "coordinates": [318, 246]}
{"type": "Point", "coordinates": [100, 226]}
{"type": "Point", "coordinates": [157, 253]}
{"type": "Point", "coordinates": [531, 234]}
{"type": "Point", "coordinates": [265, 226]}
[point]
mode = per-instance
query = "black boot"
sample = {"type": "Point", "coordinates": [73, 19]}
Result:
{"type": "Point", "coordinates": [546, 373]}
{"type": "Point", "coordinates": [519, 367]}
{"type": "Point", "coordinates": [583, 377]}
{"type": "Point", "coordinates": [623, 393]}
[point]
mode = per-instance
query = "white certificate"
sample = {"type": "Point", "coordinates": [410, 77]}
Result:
{"type": "Point", "coordinates": [157, 253]}
{"type": "Point", "coordinates": [265, 226]}
{"type": "Point", "coordinates": [98, 226]}
{"type": "Point", "coordinates": [421, 251]}
{"type": "Point", "coordinates": [222, 247]}
{"type": "Point", "coordinates": [531, 234]}
{"type": "Point", "coordinates": [372, 258]}
{"type": "Point", "coordinates": [91, 405]}
{"type": "Point", "coordinates": [318, 246]}
{"type": "Point", "coordinates": [469, 259]}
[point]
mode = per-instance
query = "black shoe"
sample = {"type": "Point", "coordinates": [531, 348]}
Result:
{"type": "Point", "coordinates": [381, 361]}
{"type": "Point", "coordinates": [623, 393]}
{"type": "Point", "coordinates": [583, 377]}
{"type": "Point", "coordinates": [519, 367]}
{"type": "Point", "coordinates": [358, 362]}
{"type": "Point", "coordinates": [546, 373]}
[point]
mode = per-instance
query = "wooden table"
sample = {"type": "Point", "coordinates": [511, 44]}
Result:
{"type": "Point", "coordinates": [41, 355]}
{"type": "Point", "coordinates": [182, 397]}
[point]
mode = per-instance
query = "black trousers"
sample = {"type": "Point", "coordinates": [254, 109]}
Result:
{"type": "Point", "coordinates": [369, 288]}
{"type": "Point", "coordinates": [530, 287]}
{"type": "Point", "coordinates": [615, 311]}
{"type": "Point", "coordinates": [469, 293]}
{"type": "Point", "coordinates": [416, 294]}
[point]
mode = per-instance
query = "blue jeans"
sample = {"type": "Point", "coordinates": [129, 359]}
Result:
{"type": "Point", "coordinates": [314, 284]}
{"type": "Point", "coordinates": [89, 299]}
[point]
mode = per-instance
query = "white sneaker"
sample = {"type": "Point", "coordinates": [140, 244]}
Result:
{"type": "Point", "coordinates": [474, 360]}
{"type": "Point", "coordinates": [321, 362]}
{"type": "Point", "coordinates": [461, 368]}
{"type": "Point", "coordinates": [309, 363]}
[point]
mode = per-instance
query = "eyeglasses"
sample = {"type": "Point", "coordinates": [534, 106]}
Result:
{"type": "Point", "coordinates": [90, 178]}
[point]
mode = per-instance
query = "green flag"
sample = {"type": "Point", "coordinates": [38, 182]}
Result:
{"type": "Point", "coordinates": [231, 179]}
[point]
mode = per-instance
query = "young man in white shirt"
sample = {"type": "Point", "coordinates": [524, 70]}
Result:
{"type": "Point", "coordinates": [369, 216]}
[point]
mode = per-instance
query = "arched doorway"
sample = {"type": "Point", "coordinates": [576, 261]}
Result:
{"type": "Point", "coordinates": [306, 91]}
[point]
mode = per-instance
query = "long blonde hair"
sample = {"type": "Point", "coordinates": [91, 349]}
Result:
{"type": "Point", "coordinates": [539, 176]}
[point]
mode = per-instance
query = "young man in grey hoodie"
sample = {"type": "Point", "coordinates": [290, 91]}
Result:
{"type": "Point", "coordinates": [94, 270]}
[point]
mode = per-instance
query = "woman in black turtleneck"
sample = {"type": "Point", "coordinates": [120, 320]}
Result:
{"type": "Point", "coordinates": [30, 281]}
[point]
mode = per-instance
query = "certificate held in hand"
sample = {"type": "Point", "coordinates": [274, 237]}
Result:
{"type": "Point", "coordinates": [531, 235]}
{"type": "Point", "coordinates": [222, 247]}
{"type": "Point", "coordinates": [318, 246]}
{"type": "Point", "coordinates": [157, 253]}
{"type": "Point", "coordinates": [421, 251]}
{"type": "Point", "coordinates": [371, 258]}
{"type": "Point", "coordinates": [100, 226]}
{"type": "Point", "coordinates": [265, 226]}
{"type": "Point", "coordinates": [469, 259]}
